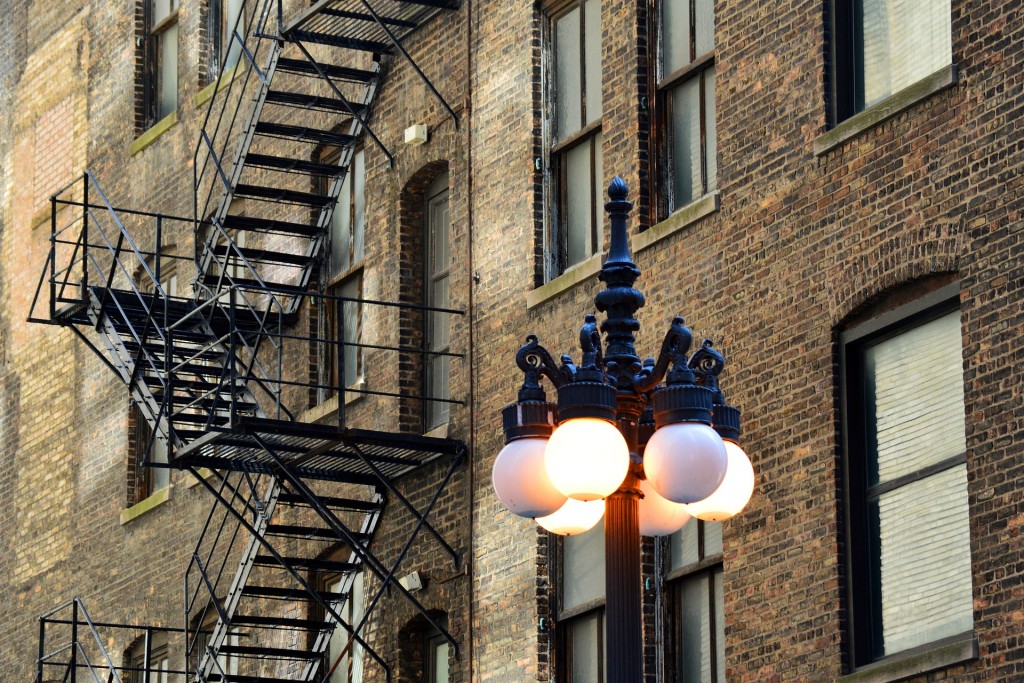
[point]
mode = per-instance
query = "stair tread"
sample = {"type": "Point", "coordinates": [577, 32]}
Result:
{"type": "Point", "coordinates": [363, 16]}
{"type": "Point", "coordinates": [213, 279]}
{"type": "Point", "coordinates": [308, 101]}
{"type": "Point", "coordinates": [285, 593]}
{"type": "Point", "coordinates": [293, 165]}
{"type": "Point", "coordinates": [282, 195]}
{"type": "Point", "coordinates": [343, 41]}
{"type": "Point", "coordinates": [281, 622]}
{"type": "Point", "coordinates": [308, 531]}
{"type": "Point", "coordinates": [269, 225]}
{"type": "Point", "coordinates": [264, 255]}
{"type": "Point", "coordinates": [264, 651]}
{"type": "Point", "coordinates": [287, 130]}
{"type": "Point", "coordinates": [340, 503]}
{"type": "Point", "coordinates": [301, 66]}
{"type": "Point", "coordinates": [306, 563]}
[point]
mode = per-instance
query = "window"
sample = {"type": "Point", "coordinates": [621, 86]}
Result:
{"type": "Point", "coordinates": [437, 659]}
{"type": "Point", "coordinates": [225, 19]}
{"type": "Point", "coordinates": [686, 101]}
{"type": "Point", "coordinates": [437, 265]}
{"type": "Point", "coordinates": [882, 46]}
{"type": "Point", "coordinates": [576, 160]}
{"type": "Point", "coordinates": [581, 607]}
{"type": "Point", "coordinates": [345, 277]}
{"type": "Point", "coordinates": [145, 480]}
{"type": "Point", "coordinates": [151, 667]}
{"type": "Point", "coordinates": [160, 80]}
{"type": "Point", "coordinates": [225, 663]}
{"type": "Point", "coordinates": [696, 604]}
{"type": "Point", "coordinates": [909, 562]}
{"type": "Point", "coordinates": [347, 663]}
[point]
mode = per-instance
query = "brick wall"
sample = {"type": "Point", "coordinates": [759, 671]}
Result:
{"type": "Point", "coordinates": [801, 245]}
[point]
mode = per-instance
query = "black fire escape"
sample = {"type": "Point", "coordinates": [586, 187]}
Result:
{"type": "Point", "coordinates": [213, 373]}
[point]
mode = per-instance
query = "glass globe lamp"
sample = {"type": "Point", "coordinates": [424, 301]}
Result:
{"type": "Point", "coordinates": [521, 481]}
{"type": "Point", "coordinates": [574, 518]}
{"type": "Point", "coordinates": [658, 516]}
{"type": "Point", "coordinates": [733, 494]}
{"type": "Point", "coordinates": [587, 458]}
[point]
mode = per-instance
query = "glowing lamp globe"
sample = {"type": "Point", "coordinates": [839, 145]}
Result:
{"type": "Point", "coordinates": [521, 482]}
{"type": "Point", "coordinates": [732, 494]}
{"type": "Point", "coordinates": [658, 516]}
{"type": "Point", "coordinates": [574, 518]}
{"type": "Point", "coordinates": [685, 462]}
{"type": "Point", "coordinates": [586, 458]}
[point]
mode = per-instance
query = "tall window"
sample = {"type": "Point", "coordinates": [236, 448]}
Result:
{"type": "Point", "coordinates": [686, 97]}
{"type": "Point", "coordinates": [160, 80]}
{"type": "Point", "coordinates": [224, 21]}
{"type": "Point", "coordinates": [576, 159]}
{"type": "Point", "coordinates": [347, 661]}
{"type": "Point", "coordinates": [437, 659]}
{"type": "Point", "coordinates": [581, 608]}
{"type": "Point", "coordinates": [148, 667]}
{"type": "Point", "coordinates": [905, 456]}
{"type": "Point", "coordinates": [345, 275]}
{"type": "Point", "coordinates": [226, 663]}
{"type": "Point", "coordinates": [437, 337]}
{"type": "Point", "coordinates": [144, 479]}
{"type": "Point", "coordinates": [696, 604]}
{"type": "Point", "coordinates": [882, 46]}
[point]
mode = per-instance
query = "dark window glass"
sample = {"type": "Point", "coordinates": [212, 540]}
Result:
{"type": "Point", "coordinates": [696, 603]}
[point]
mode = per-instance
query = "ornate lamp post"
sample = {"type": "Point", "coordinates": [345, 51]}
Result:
{"type": "Point", "coordinates": [645, 444]}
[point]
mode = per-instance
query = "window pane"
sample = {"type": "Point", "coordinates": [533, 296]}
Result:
{"type": "Point", "coordinates": [710, 130]}
{"type": "Point", "coordinates": [440, 657]}
{"type": "Point", "coordinates": [683, 545]}
{"type": "Point", "coordinates": [168, 93]}
{"type": "Point", "coordinates": [599, 192]}
{"type": "Point", "coordinates": [232, 47]}
{"type": "Point", "coordinates": [904, 41]}
{"type": "Point", "coordinates": [359, 206]}
{"type": "Point", "coordinates": [341, 228]}
{"type": "Point", "coordinates": [925, 560]}
{"type": "Point", "coordinates": [719, 597]}
{"type": "Point", "coordinates": [675, 36]}
{"type": "Point", "coordinates": [918, 389]}
{"type": "Point", "coordinates": [583, 567]}
{"type": "Point", "coordinates": [693, 652]}
{"type": "Point", "coordinates": [568, 114]}
{"type": "Point", "coordinates": [351, 333]}
{"type": "Point", "coordinates": [705, 27]}
{"type": "Point", "coordinates": [685, 142]}
{"type": "Point", "coordinates": [586, 654]}
{"type": "Point", "coordinates": [712, 538]}
{"type": "Point", "coordinates": [592, 34]}
{"type": "Point", "coordinates": [579, 204]}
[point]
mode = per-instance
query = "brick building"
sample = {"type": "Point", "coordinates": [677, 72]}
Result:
{"type": "Point", "coordinates": [828, 189]}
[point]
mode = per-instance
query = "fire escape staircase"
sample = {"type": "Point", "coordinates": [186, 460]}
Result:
{"type": "Point", "coordinates": [206, 371]}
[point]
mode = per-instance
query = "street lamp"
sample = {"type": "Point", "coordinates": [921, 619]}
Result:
{"type": "Point", "coordinates": [648, 445]}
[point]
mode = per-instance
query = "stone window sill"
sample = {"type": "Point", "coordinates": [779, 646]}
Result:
{"type": "Point", "coordinates": [932, 657]}
{"type": "Point", "coordinates": [145, 505]}
{"type": "Point", "coordinates": [329, 408]}
{"type": "Point", "coordinates": [155, 131]}
{"type": "Point", "coordinates": [683, 218]}
{"type": "Point", "coordinates": [223, 81]}
{"type": "Point", "coordinates": [576, 275]}
{"type": "Point", "coordinates": [438, 432]}
{"type": "Point", "coordinates": [896, 103]}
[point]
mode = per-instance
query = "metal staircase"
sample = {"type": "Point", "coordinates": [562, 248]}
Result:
{"type": "Point", "coordinates": [294, 503]}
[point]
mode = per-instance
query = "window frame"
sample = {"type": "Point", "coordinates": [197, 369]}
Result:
{"type": "Point", "coordinates": [709, 564]}
{"type": "Point", "coordinates": [436, 414]}
{"type": "Point", "coordinates": [221, 37]}
{"type": "Point", "coordinates": [152, 85]}
{"type": "Point", "coordinates": [846, 75]}
{"type": "Point", "coordinates": [568, 617]}
{"type": "Point", "coordinates": [559, 146]}
{"type": "Point", "coordinates": [863, 585]}
{"type": "Point", "coordinates": [665, 85]}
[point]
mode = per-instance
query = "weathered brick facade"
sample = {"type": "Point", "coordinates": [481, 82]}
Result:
{"type": "Point", "coordinates": [802, 246]}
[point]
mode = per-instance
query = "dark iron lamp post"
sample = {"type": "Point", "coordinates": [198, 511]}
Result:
{"type": "Point", "coordinates": [647, 444]}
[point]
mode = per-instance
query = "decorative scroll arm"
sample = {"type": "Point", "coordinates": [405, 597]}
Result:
{"type": "Point", "coordinates": [535, 361]}
{"type": "Point", "coordinates": [673, 350]}
{"type": "Point", "coordinates": [707, 363]}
